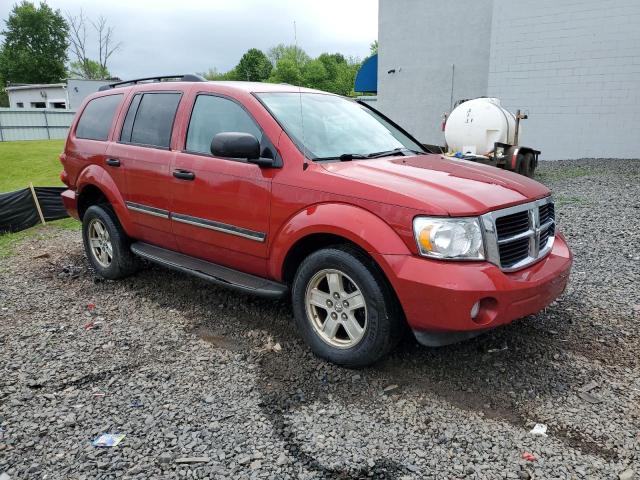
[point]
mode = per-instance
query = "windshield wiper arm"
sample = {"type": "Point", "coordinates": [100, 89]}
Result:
{"type": "Point", "coordinates": [345, 157]}
{"type": "Point", "coordinates": [395, 151]}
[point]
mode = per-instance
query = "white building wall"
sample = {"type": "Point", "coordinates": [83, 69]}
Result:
{"type": "Point", "coordinates": [38, 94]}
{"type": "Point", "coordinates": [575, 66]}
{"type": "Point", "coordinates": [79, 89]}
{"type": "Point", "coordinates": [421, 40]}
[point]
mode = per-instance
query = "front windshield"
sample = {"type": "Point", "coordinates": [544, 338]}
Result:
{"type": "Point", "coordinates": [328, 127]}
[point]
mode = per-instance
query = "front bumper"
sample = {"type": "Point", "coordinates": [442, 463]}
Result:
{"type": "Point", "coordinates": [437, 296]}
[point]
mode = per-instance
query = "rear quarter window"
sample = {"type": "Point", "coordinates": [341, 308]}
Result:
{"type": "Point", "coordinates": [97, 117]}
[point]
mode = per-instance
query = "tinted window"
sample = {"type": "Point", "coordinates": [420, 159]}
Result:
{"type": "Point", "coordinates": [153, 120]}
{"type": "Point", "coordinates": [125, 135]}
{"type": "Point", "coordinates": [212, 115]}
{"type": "Point", "coordinates": [96, 119]}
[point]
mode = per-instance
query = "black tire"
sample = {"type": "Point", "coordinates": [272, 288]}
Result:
{"type": "Point", "coordinates": [123, 263]}
{"type": "Point", "coordinates": [526, 164]}
{"type": "Point", "coordinates": [384, 325]}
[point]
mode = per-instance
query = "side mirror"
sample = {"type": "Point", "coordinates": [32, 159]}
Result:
{"type": "Point", "coordinates": [239, 145]}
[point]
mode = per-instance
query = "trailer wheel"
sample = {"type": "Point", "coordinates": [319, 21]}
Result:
{"type": "Point", "coordinates": [526, 164]}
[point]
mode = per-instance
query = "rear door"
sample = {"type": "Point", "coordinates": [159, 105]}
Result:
{"type": "Point", "coordinates": [144, 152]}
{"type": "Point", "coordinates": [88, 142]}
{"type": "Point", "coordinates": [220, 211]}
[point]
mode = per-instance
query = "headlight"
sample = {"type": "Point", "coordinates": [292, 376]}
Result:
{"type": "Point", "coordinates": [449, 238]}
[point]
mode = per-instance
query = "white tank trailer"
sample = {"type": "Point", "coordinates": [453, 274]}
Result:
{"type": "Point", "coordinates": [482, 130]}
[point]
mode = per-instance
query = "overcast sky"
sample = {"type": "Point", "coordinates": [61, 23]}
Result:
{"type": "Point", "coordinates": [170, 37]}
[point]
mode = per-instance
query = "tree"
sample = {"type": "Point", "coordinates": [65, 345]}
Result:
{"type": "Point", "coordinates": [34, 49]}
{"type": "Point", "coordinates": [84, 66]}
{"type": "Point", "coordinates": [254, 66]}
{"type": "Point", "coordinates": [89, 69]}
{"type": "Point", "coordinates": [373, 48]}
{"type": "Point", "coordinates": [331, 72]}
{"type": "Point", "coordinates": [286, 71]}
{"type": "Point", "coordinates": [213, 74]}
{"type": "Point", "coordinates": [290, 52]}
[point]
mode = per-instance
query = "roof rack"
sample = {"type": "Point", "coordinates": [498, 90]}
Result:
{"type": "Point", "coordinates": [189, 77]}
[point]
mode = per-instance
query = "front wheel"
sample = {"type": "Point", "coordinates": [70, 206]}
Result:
{"type": "Point", "coordinates": [344, 308]}
{"type": "Point", "coordinates": [106, 244]}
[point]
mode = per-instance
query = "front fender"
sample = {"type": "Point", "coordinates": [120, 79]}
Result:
{"type": "Point", "coordinates": [98, 177]}
{"type": "Point", "coordinates": [355, 224]}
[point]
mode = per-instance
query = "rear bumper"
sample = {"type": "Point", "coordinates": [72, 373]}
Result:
{"type": "Point", "coordinates": [70, 201]}
{"type": "Point", "coordinates": [437, 296]}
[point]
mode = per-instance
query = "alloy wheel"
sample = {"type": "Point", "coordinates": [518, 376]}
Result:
{"type": "Point", "coordinates": [336, 308]}
{"type": "Point", "coordinates": [100, 243]}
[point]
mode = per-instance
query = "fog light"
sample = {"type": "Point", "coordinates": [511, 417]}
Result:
{"type": "Point", "coordinates": [475, 310]}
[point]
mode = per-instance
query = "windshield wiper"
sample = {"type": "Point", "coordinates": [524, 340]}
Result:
{"type": "Point", "coordinates": [345, 157]}
{"type": "Point", "coordinates": [395, 151]}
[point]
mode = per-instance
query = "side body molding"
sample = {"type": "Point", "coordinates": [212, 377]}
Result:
{"type": "Point", "coordinates": [356, 224]}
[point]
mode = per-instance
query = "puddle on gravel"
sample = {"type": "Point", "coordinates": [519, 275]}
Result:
{"type": "Point", "coordinates": [218, 341]}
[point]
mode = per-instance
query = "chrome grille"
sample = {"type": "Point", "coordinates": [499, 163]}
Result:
{"type": "Point", "coordinates": [547, 212]}
{"type": "Point", "coordinates": [519, 236]}
{"type": "Point", "coordinates": [513, 224]}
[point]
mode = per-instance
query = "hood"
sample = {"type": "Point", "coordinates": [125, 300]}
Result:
{"type": "Point", "coordinates": [438, 186]}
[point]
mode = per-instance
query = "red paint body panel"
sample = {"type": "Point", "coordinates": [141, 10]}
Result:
{"type": "Point", "coordinates": [371, 203]}
{"type": "Point", "coordinates": [70, 202]}
{"type": "Point", "coordinates": [438, 295]}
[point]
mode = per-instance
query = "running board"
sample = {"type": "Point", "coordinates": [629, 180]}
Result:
{"type": "Point", "coordinates": [212, 272]}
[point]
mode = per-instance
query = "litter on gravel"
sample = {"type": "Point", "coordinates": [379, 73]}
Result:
{"type": "Point", "coordinates": [539, 429]}
{"type": "Point", "coordinates": [108, 440]}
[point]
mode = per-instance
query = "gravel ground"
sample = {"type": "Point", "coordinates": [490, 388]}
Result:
{"type": "Point", "coordinates": [193, 375]}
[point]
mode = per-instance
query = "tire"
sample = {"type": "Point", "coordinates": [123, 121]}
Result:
{"type": "Point", "coordinates": [380, 320]}
{"type": "Point", "coordinates": [108, 252]}
{"type": "Point", "coordinates": [526, 164]}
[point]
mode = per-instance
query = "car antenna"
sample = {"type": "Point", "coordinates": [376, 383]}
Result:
{"type": "Point", "coordinates": [305, 163]}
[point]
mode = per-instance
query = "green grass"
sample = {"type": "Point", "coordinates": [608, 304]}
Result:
{"type": "Point", "coordinates": [561, 173]}
{"type": "Point", "coordinates": [30, 161]}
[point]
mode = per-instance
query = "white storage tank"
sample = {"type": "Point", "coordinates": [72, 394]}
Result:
{"type": "Point", "coordinates": [475, 125]}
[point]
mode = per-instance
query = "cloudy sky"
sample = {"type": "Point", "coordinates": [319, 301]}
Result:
{"type": "Point", "coordinates": [194, 35]}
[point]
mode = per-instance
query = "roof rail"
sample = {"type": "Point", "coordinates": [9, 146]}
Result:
{"type": "Point", "coordinates": [189, 77]}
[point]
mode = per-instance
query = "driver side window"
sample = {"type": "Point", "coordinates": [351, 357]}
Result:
{"type": "Point", "coordinates": [212, 115]}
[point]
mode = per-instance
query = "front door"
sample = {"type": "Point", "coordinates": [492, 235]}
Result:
{"type": "Point", "coordinates": [143, 151]}
{"type": "Point", "coordinates": [220, 207]}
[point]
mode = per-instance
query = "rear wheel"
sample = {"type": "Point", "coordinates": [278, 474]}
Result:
{"type": "Point", "coordinates": [526, 164]}
{"type": "Point", "coordinates": [344, 308]}
{"type": "Point", "coordinates": [106, 244]}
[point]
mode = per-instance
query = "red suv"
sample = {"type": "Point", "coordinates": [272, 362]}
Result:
{"type": "Point", "coordinates": [277, 190]}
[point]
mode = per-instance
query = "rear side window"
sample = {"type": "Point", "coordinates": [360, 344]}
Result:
{"type": "Point", "coordinates": [96, 119]}
{"type": "Point", "coordinates": [149, 120]}
{"type": "Point", "coordinates": [212, 115]}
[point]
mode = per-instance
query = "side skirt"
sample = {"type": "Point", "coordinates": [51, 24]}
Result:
{"type": "Point", "coordinates": [212, 272]}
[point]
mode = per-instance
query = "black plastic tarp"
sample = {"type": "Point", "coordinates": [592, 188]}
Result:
{"type": "Point", "coordinates": [51, 202]}
{"type": "Point", "coordinates": [18, 210]}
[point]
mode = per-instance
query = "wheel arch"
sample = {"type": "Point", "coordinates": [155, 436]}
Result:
{"type": "Point", "coordinates": [323, 225]}
{"type": "Point", "coordinates": [95, 186]}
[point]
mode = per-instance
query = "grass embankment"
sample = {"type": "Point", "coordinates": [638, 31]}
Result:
{"type": "Point", "coordinates": [30, 161]}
